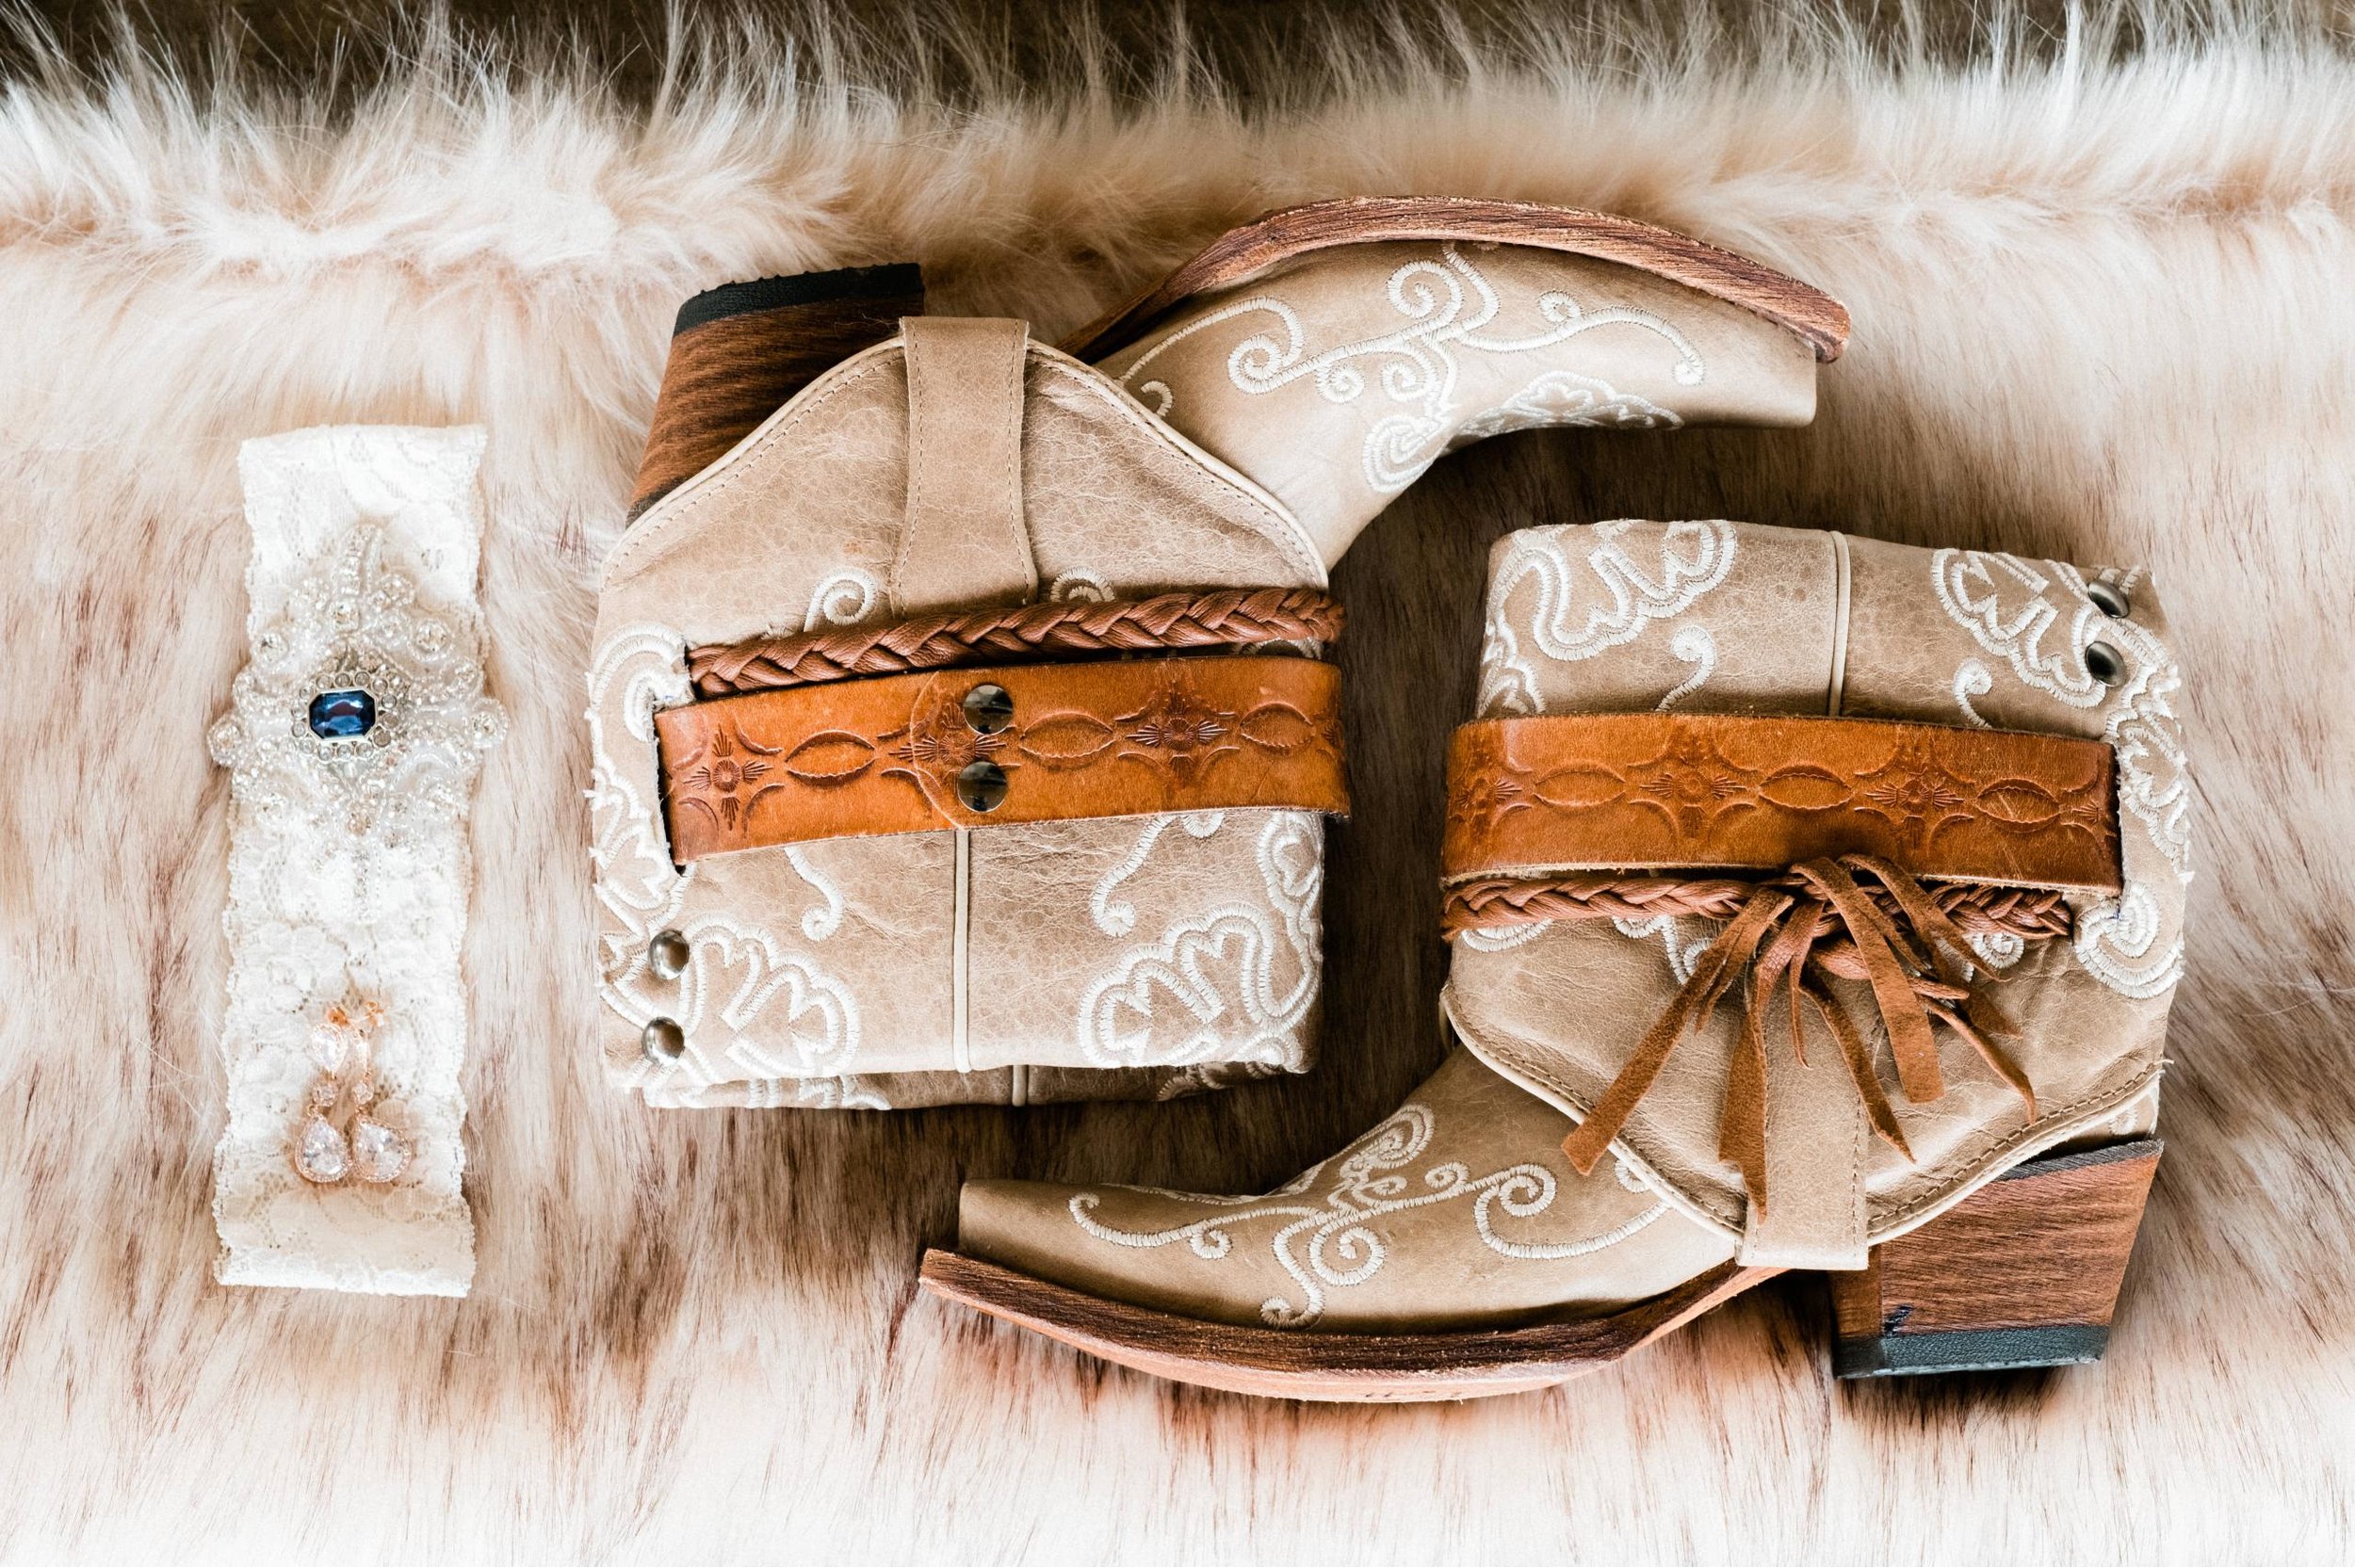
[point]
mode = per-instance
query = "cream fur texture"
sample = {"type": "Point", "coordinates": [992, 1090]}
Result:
{"type": "Point", "coordinates": [2104, 295]}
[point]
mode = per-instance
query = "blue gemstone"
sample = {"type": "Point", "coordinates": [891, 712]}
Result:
{"type": "Point", "coordinates": [342, 715]}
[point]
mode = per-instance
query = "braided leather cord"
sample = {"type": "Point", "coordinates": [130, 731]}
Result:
{"type": "Point", "coordinates": [1223, 619]}
{"type": "Point", "coordinates": [1489, 903]}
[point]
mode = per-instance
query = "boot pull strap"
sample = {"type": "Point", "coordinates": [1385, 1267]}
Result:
{"type": "Point", "coordinates": [965, 541]}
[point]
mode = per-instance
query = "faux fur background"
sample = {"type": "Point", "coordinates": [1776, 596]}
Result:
{"type": "Point", "coordinates": [2104, 284]}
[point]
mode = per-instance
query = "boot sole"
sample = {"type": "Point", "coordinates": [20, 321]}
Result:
{"type": "Point", "coordinates": [1346, 1367]}
{"type": "Point", "coordinates": [1245, 253]}
{"type": "Point", "coordinates": [2025, 1273]}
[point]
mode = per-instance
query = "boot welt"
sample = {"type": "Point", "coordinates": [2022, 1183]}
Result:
{"type": "Point", "coordinates": [2025, 1273]}
{"type": "Point", "coordinates": [1347, 1367]}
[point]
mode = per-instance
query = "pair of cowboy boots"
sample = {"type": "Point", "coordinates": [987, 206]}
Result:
{"type": "Point", "coordinates": [1814, 903]}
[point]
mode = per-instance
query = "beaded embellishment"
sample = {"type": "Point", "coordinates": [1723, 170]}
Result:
{"type": "Point", "coordinates": [353, 737]}
{"type": "Point", "coordinates": [362, 706]}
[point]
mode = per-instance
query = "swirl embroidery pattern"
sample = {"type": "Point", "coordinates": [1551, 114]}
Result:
{"type": "Point", "coordinates": [1231, 984]}
{"type": "Point", "coordinates": [1118, 918]}
{"type": "Point", "coordinates": [1999, 600]}
{"type": "Point", "coordinates": [1695, 646]}
{"type": "Point", "coordinates": [1584, 609]}
{"type": "Point", "coordinates": [843, 599]}
{"type": "Point", "coordinates": [785, 1016]}
{"type": "Point", "coordinates": [2133, 943]}
{"type": "Point", "coordinates": [2118, 942]}
{"type": "Point", "coordinates": [2155, 779]}
{"type": "Point", "coordinates": [1330, 1242]}
{"type": "Point", "coordinates": [1446, 304]}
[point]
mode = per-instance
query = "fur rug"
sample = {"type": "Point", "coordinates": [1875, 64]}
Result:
{"type": "Point", "coordinates": [2104, 295]}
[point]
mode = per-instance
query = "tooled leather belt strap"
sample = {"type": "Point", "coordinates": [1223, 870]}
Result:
{"type": "Point", "coordinates": [1842, 815]}
{"type": "Point", "coordinates": [1624, 791]}
{"type": "Point", "coordinates": [1026, 743]}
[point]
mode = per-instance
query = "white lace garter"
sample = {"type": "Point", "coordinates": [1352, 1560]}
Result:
{"type": "Point", "coordinates": [353, 738]}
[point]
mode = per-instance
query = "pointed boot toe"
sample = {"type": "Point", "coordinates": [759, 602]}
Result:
{"type": "Point", "coordinates": [1334, 352]}
{"type": "Point", "coordinates": [1020, 1225]}
{"type": "Point", "coordinates": [1454, 1236]}
{"type": "Point", "coordinates": [1761, 961]}
{"type": "Point", "coordinates": [976, 519]}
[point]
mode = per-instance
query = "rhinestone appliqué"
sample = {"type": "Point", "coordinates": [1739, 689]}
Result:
{"type": "Point", "coordinates": [363, 705]}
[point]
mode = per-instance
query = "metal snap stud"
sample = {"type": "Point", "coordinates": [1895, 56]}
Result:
{"type": "Point", "coordinates": [2105, 663]}
{"type": "Point", "coordinates": [664, 1039]}
{"type": "Point", "coordinates": [2110, 600]}
{"type": "Point", "coordinates": [667, 955]}
{"type": "Point", "coordinates": [988, 708]}
{"type": "Point", "coordinates": [982, 786]}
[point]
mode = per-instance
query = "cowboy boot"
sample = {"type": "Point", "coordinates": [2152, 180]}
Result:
{"type": "Point", "coordinates": [855, 740]}
{"type": "Point", "coordinates": [1814, 903]}
{"type": "Point", "coordinates": [1332, 352]}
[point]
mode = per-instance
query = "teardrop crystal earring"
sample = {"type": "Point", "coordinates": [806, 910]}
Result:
{"type": "Point", "coordinates": [377, 1153]}
{"type": "Point", "coordinates": [325, 1153]}
{"type": "Point", "coordinates": [321, 1156]}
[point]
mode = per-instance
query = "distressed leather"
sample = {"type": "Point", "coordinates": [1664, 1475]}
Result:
{"type": "Point", "coordinates": [963, 540]}
{"type": "Point", "coordinates": [1135, 955]}
{"type": "Point", "coordinates": [1562, 792]}
{"type": "Point", "coordinates": [1461, 1211]}
{"type": "Point", "coordinates": [1131, 737]}
{"type": "Point", "coordinates": [1704, 617]}
{"type": "Point", "coordinates": [1335, 379]}
{"type": "Point", "coordinates": [1457, 1211]}
{"type": "Point", "coordinates": [843, 972]}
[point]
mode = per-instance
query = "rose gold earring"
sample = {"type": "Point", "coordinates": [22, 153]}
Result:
{"type": "Point", "coordinates": [377, 1153]}
{"type": "Point", "coordinates": [325, 1152]}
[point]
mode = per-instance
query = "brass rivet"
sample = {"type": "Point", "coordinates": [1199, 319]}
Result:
{"type": "Point", "coordinates": [982, 786]}
{"type": "Point", "coordinates": [664, 1039]}
{"type": "Point", "coordinates": [2110, 600]}
{"type": "Point", "coordinates": [667, 955]}
{"type": "Point", "coordinates": [2105, 663]}
{"type": "Point", "coordinates": [988, 708]}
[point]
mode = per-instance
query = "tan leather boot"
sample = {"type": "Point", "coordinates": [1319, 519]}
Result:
{"type": "Point", "coordinates": [877, 821]}
{"type": "Point", "coordinates": [1815, 902]}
